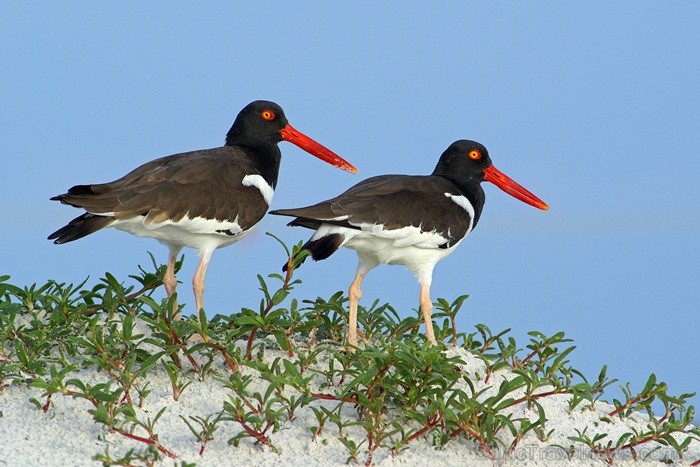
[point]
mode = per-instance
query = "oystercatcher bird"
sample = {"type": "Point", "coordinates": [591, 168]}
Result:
{"type": "Point", "coordinates": [406, 219]}
{"type": "Point", "coordinates": [203, 199]}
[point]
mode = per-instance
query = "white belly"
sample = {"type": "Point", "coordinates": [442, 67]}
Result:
{"type": "Point", "coordinates": [418, 253]}
{"type": "Point", "coordinates": [200, 234]}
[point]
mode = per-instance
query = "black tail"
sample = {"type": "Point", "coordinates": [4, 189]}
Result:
{"type": "Point", "coordinates": [77, 190]}
{"type": "Point", "coordinates": [80, 227]}
{"type": "Point", "coordinates": [321, 248]}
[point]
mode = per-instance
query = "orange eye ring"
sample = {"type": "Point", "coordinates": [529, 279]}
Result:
{"type": "Point", "coordinates": [474, 154]}
{"type": "Point", "coordinates": [268, 115]}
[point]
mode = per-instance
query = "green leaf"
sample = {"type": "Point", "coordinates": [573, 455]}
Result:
{"type": "Point", "coordinates": [281, 340]}
{"type": "Point", "coordinates": [255, 320]}
{"type": "Point", "coordinates": [279, 296]}
{"type": "Point", "coordinates": [127, 327]}
{"type": "Point", "coordinates": [650, 384]}
{"type": "Point", "coordinates": [263, 287]}
{"type": "Point", "coordinates": [292, 370]}
{"type": "Point", "coordinates": [286, 250]}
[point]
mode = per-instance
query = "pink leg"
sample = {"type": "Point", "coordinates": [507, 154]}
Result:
{"type": "Point", "coordinates": [354, 295]}
{"type": "Point", "coordinates": [426, 306]}
{"type": "Point", "coordinates": [169, 280]}
{"type": "Point", "coordinates": [198, 282]}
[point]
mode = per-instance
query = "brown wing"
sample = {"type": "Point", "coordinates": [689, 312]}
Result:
{"type": "Point", "coordinates": [174, 186]}
{"type": "Point", "coordinates": [393, 201]}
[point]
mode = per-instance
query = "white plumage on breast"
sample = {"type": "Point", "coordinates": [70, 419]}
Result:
{"type": "Point", "coordinates": [261, 184]}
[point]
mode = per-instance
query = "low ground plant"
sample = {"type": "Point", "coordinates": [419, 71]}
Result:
{"type": "Point", "coordinates": [286, 357]}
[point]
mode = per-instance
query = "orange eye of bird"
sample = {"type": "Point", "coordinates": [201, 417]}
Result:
{"type": "Point", "coordinates": [474, 154]}
{"type": "Point", "coordinates": [268, 115]}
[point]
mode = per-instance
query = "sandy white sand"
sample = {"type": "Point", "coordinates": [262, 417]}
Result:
{"type": "Point", "coordinates": [67, 434]}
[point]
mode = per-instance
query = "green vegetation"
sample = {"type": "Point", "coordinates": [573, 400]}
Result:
{"type": "Point", "coordinates": [286, 357]}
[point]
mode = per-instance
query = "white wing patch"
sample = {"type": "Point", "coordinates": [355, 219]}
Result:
{"type": "Point", "coordinates": [464, 203]}
{"type": "Point", "coordinates": [397, 238]}
{"type": "Point", "coordinates": [259, 182]}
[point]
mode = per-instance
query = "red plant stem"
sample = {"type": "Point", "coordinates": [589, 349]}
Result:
{"type": "Point", "coordinates": [663, 419]}
{"type": "Point", "coordinates": [476, 436]}
{"type": "Point", "coordinates": [532, 354]}
{"type": "Point", "coordinates": [268, 307]}
{"type": "Point", "coordinates": [637, 443]}
{"type": "Point", "coordinates": [253, 333]}
{"type": "Point", "coordinates": [696, 463]}
{"type": "Point", "coordinates": [431, 424]}
{"type": "Point", "coordinates": [249, 344]}
{"type": "Point", "coordinates": [46, 406]}
{"type": "Point", "coordinates": [249, 404]}
{"type": "Point", "coordinates": [115, 363]}
{"type": "Point", "coordinates": [260, 437]}
{"type": "Point", "coordinates": [487, 344]}
{"type": "Point", "coordinates": [371, 444]}
{"type": "Point", "coordinates": [80, 394]}
{"type": "Point", "coordinates": [651, 438]}
{"type": "Point", "coordinates": [331, 397]}
{"type": "Point", "coordinates": [190, 358]}
{"type": "Point", "coordinates": [150, 441]}
{"type": "Point", "coordinates": [127, 298]}
{"type": "Point", "coordinates": [629, 403]}
{"type": "Point", "coordinates": [399, 330]}
{"type": "Point", "coordinates": [535, 396]}
{"type": "Point", "coordinates": [201, 449]}
{"type": "Point", "coordinates": [229, 361]}
{"type": "Point", "coordinates": [370, 451]}
{"type": "Point", "coordinates": [290, 350]}
{"type": "Point", "coordinates": [110, 360]}
{"type": "Point", "coordinates": [516, 441]}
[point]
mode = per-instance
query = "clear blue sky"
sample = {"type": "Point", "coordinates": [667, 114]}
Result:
{"type": "Point", "coordinates": [593, 107]}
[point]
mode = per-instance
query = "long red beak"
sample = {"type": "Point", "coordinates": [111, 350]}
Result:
{"type": "Point", "coordinates": [315, 149]}
{"type": "Point", "coordinates": [505, 183]}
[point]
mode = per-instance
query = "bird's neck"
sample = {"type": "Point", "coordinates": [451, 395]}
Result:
{"type": "Point", "coordinates": [475, 194]}
{"type": "Point", "coordinates": [266, 158]}
{"type": "Point", "coordinates": [469, 187]}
